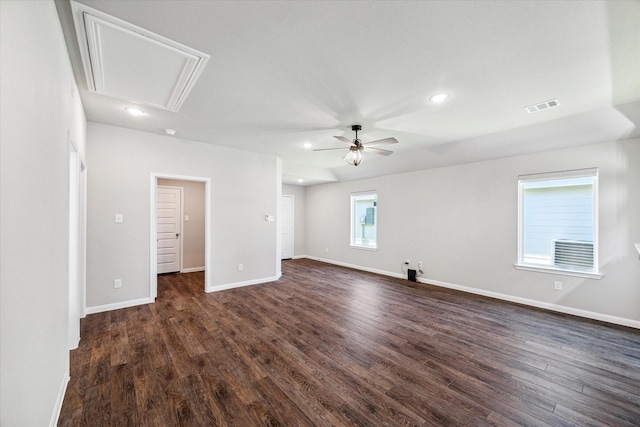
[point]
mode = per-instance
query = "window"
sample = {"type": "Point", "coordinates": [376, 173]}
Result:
{"type": "Point", "coordinates": [557, 224]}
{"type": "Point", "coordinates": [364, 217]}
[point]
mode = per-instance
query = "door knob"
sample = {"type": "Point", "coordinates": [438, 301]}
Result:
{"type": "Point", "coordinates": [177, 235]}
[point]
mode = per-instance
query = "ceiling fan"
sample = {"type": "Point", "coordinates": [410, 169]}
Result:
{"type": "Point", "coordinates": [354, 156]}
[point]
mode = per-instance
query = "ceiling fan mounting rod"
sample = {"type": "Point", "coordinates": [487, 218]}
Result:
{"type": "Point", "coordinates": [356, 128]}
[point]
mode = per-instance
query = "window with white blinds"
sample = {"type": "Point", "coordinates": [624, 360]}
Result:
{"type": "Point", "coordinates": [557, 224]}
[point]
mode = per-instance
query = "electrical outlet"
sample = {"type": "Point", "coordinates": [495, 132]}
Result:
{"type": "Point", "coordinates": [326, 249]}
{"type": "Point", "coordinates": [557, 285]}
{"type": "Point", "coordinates": [240, 267]}
{"type": "Point", "coordinates": [117, 283]}
{"type": "Point", "coordinates": [419, 265]}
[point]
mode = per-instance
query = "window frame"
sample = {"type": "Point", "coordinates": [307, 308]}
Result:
{"type": "Point", "coordinates": [552, 269]}
{"type": "Point", "coordinates": [352, 241]}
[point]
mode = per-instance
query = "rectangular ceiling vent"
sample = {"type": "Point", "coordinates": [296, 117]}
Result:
{"type": "Point", "coordinates": [542, 106]}
{"type": "Point", "coordinates": [127, 62]}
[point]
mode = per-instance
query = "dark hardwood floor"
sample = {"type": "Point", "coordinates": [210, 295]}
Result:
{"type": "Point", "coordinates": [326, 345]}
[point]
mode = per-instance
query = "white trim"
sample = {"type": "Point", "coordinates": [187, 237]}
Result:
{"type": "Point", "coordinates": [192, 269]}
{"type": "Point", "coordinates": [552, 270]}
{"type": "Point", "coordinates": [73, 266]}
{"type": "Point", "coordinates": [88, 21]}
{"type": "Point", "coordinates": [242, 284]}
{"type": "Point", "coordinates": [300, 256]}
{"type": "Point", "coordinates": [278, 213]}
{"type": "Point", "coordinates": [153, 249]}
{"type": "Point", "coordinates": [505, 297]}
{"type": "Point", "coordinates": [578, 173]}
{"type": "Point", "coordinates": [353, 198]}
{"type": "Point", "coordinates": [59, 400]}
{"type": "Point", "coordinates": [357, 267]}
{"type": "Point", "coordinates": [364, 248]}
{"type": "Point", "coordinates": [119, 305]}
{"type": "Point", "coordinates": [549, 176]}
{"type": "Point", "coordinates": [293, 220]}
{"type": "Point", "coordinates": [539, 304]}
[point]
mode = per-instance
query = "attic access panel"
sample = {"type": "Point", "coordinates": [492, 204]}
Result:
{"type": "Point", "coordinates": [124, 61]}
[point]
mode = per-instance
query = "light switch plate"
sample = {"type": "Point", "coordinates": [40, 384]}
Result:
{"type": "Point", "coordinates": [118, 217]}
{"type": "Point", "coordinates": [186, 217]}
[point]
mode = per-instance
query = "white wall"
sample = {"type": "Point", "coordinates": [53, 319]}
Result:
{"type": "Point", "coordinates": [193, 230]}
{"type": "Point", "coordinates": [461, 221]}
{"type": "Point", "coordinates": [244, 188]}
{"type": "Point", "coordinates": [299, 221]}
{"type": "Point", "coordinates": [40, 111]}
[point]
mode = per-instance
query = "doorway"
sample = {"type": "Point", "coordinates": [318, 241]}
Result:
{"type": "Point", "coordinates": [182, 259]}
{"type": "Point", "coordinates": [77, 259]}
{"type": "Point", "coordinates": [287, 226]}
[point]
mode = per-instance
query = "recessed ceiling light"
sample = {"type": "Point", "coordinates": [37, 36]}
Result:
{"type": "Point", "coordinates": [170, 132]}
{"type": "Point", "coordinates": [134, 111]}
{"type": "Point", "coordinates": [300, 180]}
{"type": "Point", "coordinates": [439, 98]}
{"type": "Point", "coordinates": [307, 145]}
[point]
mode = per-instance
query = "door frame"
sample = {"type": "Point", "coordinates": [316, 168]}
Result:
{"type": "Point", "coordinates": [153, 247]}
{"type": "Point", "coordinates": [293, 220]}
{"type": "Point", "coordinates": [76, 244]}
{"type": "Point", "coordinates": [181, 225]}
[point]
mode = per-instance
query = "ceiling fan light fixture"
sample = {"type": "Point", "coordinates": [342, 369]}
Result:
{"type": "Point", "coordinates": [353, 157]}
{"type": "Point", "coordinates": [441, 97]}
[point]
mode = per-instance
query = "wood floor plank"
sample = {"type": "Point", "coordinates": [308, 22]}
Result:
{"type": "Point", "coordinates": [330, 346]}
{"type": "Point", "coordinates": [123, 397]}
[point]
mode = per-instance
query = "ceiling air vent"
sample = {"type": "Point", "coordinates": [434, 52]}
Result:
{"type": "Point", "coordinates": [542, 106]}
{"type": "Point", "coordinates": [127, 62]}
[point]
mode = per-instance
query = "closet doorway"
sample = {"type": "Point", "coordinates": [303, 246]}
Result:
{"type": "Point", "coordinates": [180, 226]}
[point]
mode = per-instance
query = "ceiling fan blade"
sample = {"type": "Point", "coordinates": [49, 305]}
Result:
{"type": "Point", "coordinates": [327, 149]}
{"type": "Point", "coordinates": [384, 141]}
{"type": "Point", "coordinates": [343, 139]}
{"type": "Point", "coordinates": [378, 151]}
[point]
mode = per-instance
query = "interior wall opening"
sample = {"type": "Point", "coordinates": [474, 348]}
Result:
{"type": "Point", "coordinates": [180, 227]}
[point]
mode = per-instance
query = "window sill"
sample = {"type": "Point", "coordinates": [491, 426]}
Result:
{"type": "Point", "coordinates": [364, 248]}
{"type": "Point", "coordinates": [561, 271]}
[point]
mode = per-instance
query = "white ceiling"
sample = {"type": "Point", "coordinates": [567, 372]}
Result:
{"type": "Point", "coordinates": [285, 73]}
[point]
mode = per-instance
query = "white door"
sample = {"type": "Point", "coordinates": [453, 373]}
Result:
{"type": "Point", "coordinates": [286, 219]}
{"type": "Point", "coordinates": [168, 227]}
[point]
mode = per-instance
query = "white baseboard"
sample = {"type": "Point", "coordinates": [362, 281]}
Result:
{"type": "Point", "coordinates": [60, 400]}
{"type": "Point", "coordinates": [142, 301]}
{"type": "Point", "coordinates": [357, 267]}
{"type": "Point", "coordinates": [192, 269]}
{"type": "Point", "coordinates": [299, 256]}
{"type": "Point", "coordinates": [118, 305]}
{"type": "Point", "coordinates": [246, 283]}
{"type": "Point", "coordinates": [505, 297]}
{"type": "Point", "coordinates": [539, 304]}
